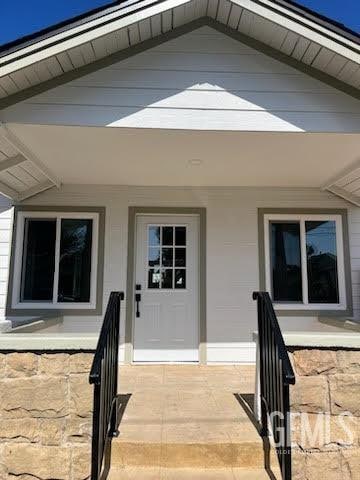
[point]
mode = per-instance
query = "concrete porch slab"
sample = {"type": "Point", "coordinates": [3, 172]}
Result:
{"type": "Point", "coordinates": [189, 418]}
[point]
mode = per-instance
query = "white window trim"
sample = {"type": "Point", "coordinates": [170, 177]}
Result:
{"type": "Point", "coordinates": [304, 305]}
{"type": "Point", "coordinates": [19, 250]}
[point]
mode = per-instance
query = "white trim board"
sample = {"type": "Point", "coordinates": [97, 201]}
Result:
{"type": "Point", "coordinates": [232, 352]}
{"type": "Point", "coordinates": [220, 353]}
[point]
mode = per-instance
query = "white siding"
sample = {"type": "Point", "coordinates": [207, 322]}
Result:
{"type": "Point", "coordinates": [232, 251]}
{"type": "Point", "coordinates": [354, 227]}
{"type": "Point", "coordinates": [6, 224]}
{"type": "Point", "coordinates": [203, 80]}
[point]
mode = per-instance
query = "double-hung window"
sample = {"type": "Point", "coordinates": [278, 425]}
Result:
{"type": "Point", "coordinates": [55, 263]}
{"type": "Point", "coordinates": [304, 261]}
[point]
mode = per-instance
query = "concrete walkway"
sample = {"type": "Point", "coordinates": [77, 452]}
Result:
{"type": "Point", "coordinates": [187, 422]}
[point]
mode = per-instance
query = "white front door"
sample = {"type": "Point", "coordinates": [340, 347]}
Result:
{"type": "Point", "coordinates": [166, 320]}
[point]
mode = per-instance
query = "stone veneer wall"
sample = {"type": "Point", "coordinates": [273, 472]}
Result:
{"type": "Point", "coordinates": [327, 381]}
{"type": "Point", "coordinates": [45, 416]}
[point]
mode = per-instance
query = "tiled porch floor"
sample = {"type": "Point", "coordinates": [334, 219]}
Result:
{"type": "Point", "coordinates": [181, 422]}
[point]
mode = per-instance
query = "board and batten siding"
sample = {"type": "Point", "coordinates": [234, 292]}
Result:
{"type": "Point", "coordinates": [232, 252]}
{"type": "Point", "coordinates": [202, 80]}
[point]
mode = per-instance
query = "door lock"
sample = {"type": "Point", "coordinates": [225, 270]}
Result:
{"type": "Point", "coordinates": [137, 300]}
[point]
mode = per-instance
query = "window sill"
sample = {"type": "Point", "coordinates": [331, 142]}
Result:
{"type": "Point", "coordinates": [25, 311]}
{"type": "Point", "coordinates": [303, 311]}
{"type": "Point", "coordinates": [315, 339]}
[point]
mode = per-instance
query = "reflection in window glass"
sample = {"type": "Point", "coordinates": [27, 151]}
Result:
{"type": "Point", "coordinates": [167, 257]}
{"type": "Point", "coordinates": [286, 262]}
{"type": "Point", "coordinates": [322, 261]}
{"type": "Point", "coordinates": [180, 236]}
{"type": "Point", "coordinates": [180, 257]}
{"type": "Point", "coordinates": [154, 256]}
{"type": "Point", "coordinates": [39, 260]}
{"type": "Point", "coordinates": [167, 275]}
{"type": "Point", "coordinates": [180, 278]}
{"type": "Point", "coordinates": [154, 236]}
{"type": "Point", "coordinates": [75, 260]}
{"type": "Point", "coordinates": [166, 262]}
{"type": "Point", "coordinates": [167, 238]}
{"type": "Point", "coordinates": [154, 278]}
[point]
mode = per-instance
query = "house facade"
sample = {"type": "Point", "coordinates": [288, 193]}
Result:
{"type": "Point", "coordinates": [191, 155]}
{"type": "Point", "coordinates": [187, 153]}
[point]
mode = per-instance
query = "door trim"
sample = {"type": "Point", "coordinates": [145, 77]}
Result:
{"type": "Point", "coordinates": [131, 250]}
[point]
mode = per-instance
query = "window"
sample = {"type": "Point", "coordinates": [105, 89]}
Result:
{"type": "Point", "coordinates": [56, 260]}
{"type": "Point", "coordinates": [305, 261]}
{"type": "Point", "coordinates": [166, 257]}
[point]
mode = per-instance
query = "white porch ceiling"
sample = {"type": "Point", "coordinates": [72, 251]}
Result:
{"type": "Point", "coordinates": [288, 32]}
{"type": "Point", "coordinates": [94, 155]}
{"type": "Point", "coordinates": [22, 174]}
{"type": "Point", "coordinates": [346, 184]}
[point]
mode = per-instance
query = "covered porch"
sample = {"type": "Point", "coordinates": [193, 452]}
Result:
{"type": "Point", "coordinates": [167, 157]}
{"type": "Point", "coordinates": [231, 179]}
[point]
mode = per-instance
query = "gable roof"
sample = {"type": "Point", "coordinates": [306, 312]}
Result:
{"type": "Point", "coordinates": [112, 7]}
{"type": "Point", "coordinates": [320, 47]}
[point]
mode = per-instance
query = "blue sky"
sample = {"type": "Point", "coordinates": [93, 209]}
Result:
{"type": "Point", "coordinates": [343, 11]}
{"type": "Point", "coordinates": [22, 17]}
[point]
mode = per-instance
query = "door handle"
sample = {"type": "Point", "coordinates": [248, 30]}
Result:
{"type": "Point", "coordinates": [137, 300]}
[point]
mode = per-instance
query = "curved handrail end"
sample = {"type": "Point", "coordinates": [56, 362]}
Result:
{"type": "Point", "coordinates": [290, 379]}
{"type": "Point", "coordinates": [94, 379]}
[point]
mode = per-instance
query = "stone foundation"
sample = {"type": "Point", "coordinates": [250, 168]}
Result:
{"type": "Point", "coordinates": [325, 406]}
{"type": "Point", "coordinates": [45, 416]}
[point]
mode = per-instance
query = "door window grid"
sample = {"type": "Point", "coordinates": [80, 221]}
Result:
{"type": "Point", "coordinates": [166, 257]}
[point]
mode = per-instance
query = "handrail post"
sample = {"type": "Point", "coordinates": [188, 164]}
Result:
{"type": "Point", "coordinates": [276, 375]}
{"type": "Point", "coordinates": [264, 428]}
{"type": "Point", "coordinates": [104, 377]}
{"type": "Point", "coordinates": [287, 433]}
{"type": "Point", "coordinates": [95, 434]}
{"type": "Point", "coordinates": [114, 432]}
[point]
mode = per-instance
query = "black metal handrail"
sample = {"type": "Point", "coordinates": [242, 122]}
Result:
{"type": "Point", "coordinates": [104, 377]}
{"type": "Point", "coordinates": [276, 376]}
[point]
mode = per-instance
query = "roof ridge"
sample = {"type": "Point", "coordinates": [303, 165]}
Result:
{"type": "Point", "coordinates": [48, 32]}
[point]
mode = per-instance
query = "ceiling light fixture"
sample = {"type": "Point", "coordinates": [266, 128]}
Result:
{"type": "Point", "coordinates": [195, 162]}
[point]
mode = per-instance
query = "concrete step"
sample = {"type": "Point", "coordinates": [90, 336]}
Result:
{"type": "Point", "coordinates": [155, 473]}
{"type": "Point", "coordinates": [187, 455]}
